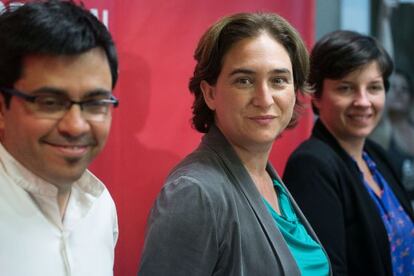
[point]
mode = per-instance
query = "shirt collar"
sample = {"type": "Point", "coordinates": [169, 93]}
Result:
{"type": "Point", "coordinates": [85, 191]}
{"type": "Point", "coordinates": [370, 163]}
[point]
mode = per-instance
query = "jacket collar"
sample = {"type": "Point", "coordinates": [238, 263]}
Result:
{"type": "Point", "coordinates": [322, 133]}
{"type": "Point", "coordinates": [368, 208]}
{"type": "Point", "coordinates": [216, 141]}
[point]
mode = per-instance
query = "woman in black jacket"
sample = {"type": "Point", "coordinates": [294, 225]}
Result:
{"type": "Point", "coordinates": [344, 183]}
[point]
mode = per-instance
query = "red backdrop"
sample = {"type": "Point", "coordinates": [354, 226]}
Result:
{"type": "Point", "coordinates": [151, 129]}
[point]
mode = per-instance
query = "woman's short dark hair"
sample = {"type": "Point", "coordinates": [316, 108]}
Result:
{"type": "Point", "coordinates": [219, 39]}
{"type": "Point", "coordinates": [341, 52]}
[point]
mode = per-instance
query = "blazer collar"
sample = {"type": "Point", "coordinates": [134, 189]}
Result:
{"type": "Point", "coordinates": [216, 141]}
{"type": "Point", "coordinates": [368, 208]}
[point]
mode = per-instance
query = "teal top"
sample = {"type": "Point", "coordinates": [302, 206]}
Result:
{"type": "Point", "coordinates": [309, 256]}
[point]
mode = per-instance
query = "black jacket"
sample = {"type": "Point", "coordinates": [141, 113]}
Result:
{"type": "Point", "coordinates": [326, 183]}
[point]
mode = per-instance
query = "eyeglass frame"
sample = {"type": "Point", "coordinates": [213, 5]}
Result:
{"type": "Point", "coordinates": [32, 98]}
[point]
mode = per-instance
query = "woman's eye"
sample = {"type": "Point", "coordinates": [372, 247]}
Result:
{"type": "Point", "coordinates": [243, 82]}
{"type": "Point", "coordinates": [344, 88]}
{"type": "Point", "coordinates": [376, 88]}
{"type": "Point", "coordinates": [279, 81]}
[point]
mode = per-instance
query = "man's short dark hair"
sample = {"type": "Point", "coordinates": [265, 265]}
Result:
{"type": "Point", "coordinates": [52, 28]}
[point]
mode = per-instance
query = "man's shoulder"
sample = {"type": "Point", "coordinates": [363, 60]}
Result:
{"type": "Point", "coordinates": [92, 186]}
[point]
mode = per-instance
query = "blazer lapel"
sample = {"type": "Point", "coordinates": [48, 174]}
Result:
{"type": "Point", "coordinates": [298, 212]}
{"type": "Point", "coordinates": [216, 141]}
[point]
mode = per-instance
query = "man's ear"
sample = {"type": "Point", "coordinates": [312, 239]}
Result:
{"type": "Point", "coordinates": [209, 94]}
{"type": "Point", "coordinates": [2, 111]}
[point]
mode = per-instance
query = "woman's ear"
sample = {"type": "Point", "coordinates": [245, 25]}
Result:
{"type": "Point", "coordinates": [315, 102]}
{"type": "Point", "coordinates": [209, 94]}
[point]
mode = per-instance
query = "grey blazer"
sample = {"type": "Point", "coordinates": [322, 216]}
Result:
{"type": "Point", "coordinates": [209, 219]}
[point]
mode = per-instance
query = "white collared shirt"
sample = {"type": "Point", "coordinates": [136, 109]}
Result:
{"type": "Point", "coordinates": [33, 238]}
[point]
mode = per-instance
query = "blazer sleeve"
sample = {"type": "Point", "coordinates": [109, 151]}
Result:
{"type": "Point", "coordinates": [181, 232]}
{"type": "Point", "coordinates": [313, 182]}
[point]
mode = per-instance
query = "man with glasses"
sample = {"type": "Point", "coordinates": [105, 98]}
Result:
{"type": "Point", "coordinates": [58, 67]}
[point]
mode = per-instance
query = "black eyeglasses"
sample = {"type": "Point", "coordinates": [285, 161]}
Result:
{"type": "Point", "coordinates": [55, 106]}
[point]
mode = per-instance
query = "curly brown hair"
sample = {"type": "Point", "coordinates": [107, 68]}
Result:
{"type": "Point", "coordinates": [218, 40]}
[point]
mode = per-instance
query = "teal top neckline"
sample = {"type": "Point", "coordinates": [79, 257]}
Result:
{"type": "Point", "coordinates": [308, 254]}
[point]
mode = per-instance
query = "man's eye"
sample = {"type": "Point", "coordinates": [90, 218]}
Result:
{"type": "Point", "coordinates": [96, 106]}
{"type": "Point", "coordinates": [49, 102]}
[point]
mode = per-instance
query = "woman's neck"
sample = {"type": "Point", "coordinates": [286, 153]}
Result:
{"type": "Point", "coordinates": [255, 161]}
{"type": "Point", "coordinates": [353, 147]}
{"type": "Point", "coordinates": [253, 158]}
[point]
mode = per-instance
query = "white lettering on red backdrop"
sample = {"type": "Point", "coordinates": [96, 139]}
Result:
{"type": "Point", "coordinates": [102, 15]}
